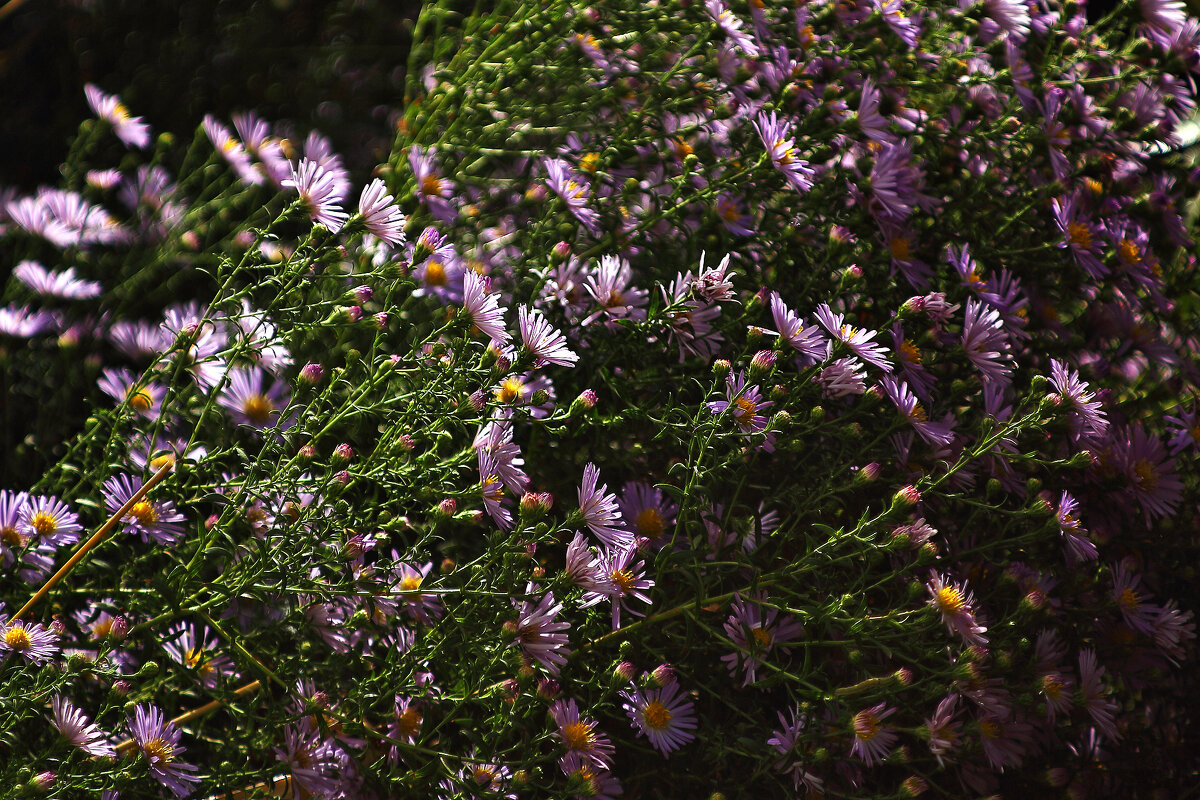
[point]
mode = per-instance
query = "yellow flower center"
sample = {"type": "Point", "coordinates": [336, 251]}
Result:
{"type": "Point", "coordinates": [1052, 687]}
{"type": "Point", "coordinates": [622, 579]}
{"type": "Point", "coordinates": [762, 637]}
{"type": "Point", "coordinates": [10, 536]}
{"type": "Point", "coordinates": [910, 352]}
{"type": "Point", "coordinates": [866, 726]}
{"type": "Point", "coordinates": [1079, 234]}
{"type": "Point", "coordinates": [257, 408]}
{"type": "Point", "coordinates": [410, 583]}
{"type": "Point", "coordinates": [158, 750]}
{"type": "Point", "coordinates": [144, 513]}
{"type": "Point", "coordinates": [510, 390]}
{"type": "Point", "coordinates": [435, 273]}
{"type": "Point", "coordinates": [1194, 432]}
{"type": "Point", "coordinates": [589, 162]}
{"type": "Point", "coordinates": [949, 600]}
{"type": "Point", "coordinates": [492, 488]}
{"type": "Point", "coordinates": [1129, 600]}
{"type": "Point", "coordinates": [918, 413]}
{"type": "Point", "coordinates": [192, 656]}
{"type": "Point", "coordinates": [578, 736]}
{"type": "Point", "coordinates": [484, 774]}
{"type": "Point", "coordinates": [786, 154]}
{"type": "Point", "coordinates": [743, 410]}
{"type": "Point", "coordinates": [102, 628]}
{"type": "Point", "coordinates": [158, 462]}
{"type": "Point", "coordinates": [431, 184]}
{"type": "Point", "coordinates": [17, 638]}
{"type": "Point", "coordinates": [1128, 251]}
{"type": "Point", "coordinates": [409, 723]}
{"type": "Point", "coordinates": [900, 248]}
{"type": "Point", "coordinates": [656, 715]}
{"type": "Point", "coordinates": [649, 523]}
{"type": "Point", "coordinates": [44, 524]}
{"type": "Point", "coordinates": [990, 729]}
{"type": "Point", "coordinates": [1147, 475]}
{"type": "Point", "coordinates": [140, 399]}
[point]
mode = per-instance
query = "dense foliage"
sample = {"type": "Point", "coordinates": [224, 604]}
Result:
{"type": "Point", "coordinates": [785, 400]}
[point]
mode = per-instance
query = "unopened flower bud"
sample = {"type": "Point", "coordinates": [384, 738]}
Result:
{"type": "Point", "coordinates": [586, 401]}
{"type": "Point", "coordinates": [42, 782]}
{"type": "Point", "coordinates": [350, 313]}
{"type": "Point", "coordinates": [913, 786]}
{"type": "Point", "coordinates": [530, 504]}
{"type": "Point", "coordinates": [447, 566]}
{"type": "Point", "coordinates": [311, 374]}
{"type": "Point", "coordinates": [721, 367]}
{"type": "Point", "coordinates": [406, 442]}
{"type": "Point", "coordinates": [560, 252]}
{"type": "Point", "coordinates": [540, 397]}
{"type": "Point", "coordinates": [867, 474]}
{"type": "Point", "coordinates": [121, 688]}
{"type": "Point", "coordinates": [662, 675]}
{"type": "Point", "coordinates": [905, 498]}
{"type": "Point", "coordinates": [362, 294]}
{"type": "Point", "coordinates": [548, 688]}
{"type": "Point", "coordinates": [762, 364]}
{"type": "Point", "coordinates": [342, 454]}
{"type": "Point", "coordinates": [624, 671]}
{"type": "Point", "coordinates": [448, 507]}
{"type": "Point", "coordinates": [381, 320]}
{"type": "Point", "coordinates": [119, 629]}
{"type": "Point", "coordinates": [342, 478]}
{"type": "Point", "coordinates": [306, 453]}
{"type": "Point", "coordinates": [477, 400]}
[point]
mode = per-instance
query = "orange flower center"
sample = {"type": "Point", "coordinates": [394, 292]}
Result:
{"type": "Point", "coordinates": [144, 513]}
{"type": "Point", "coordinates": [44, 524]}
{"type": "Point", "coordinates": [578, 736]}
{"type": "Point", "coordinates": [158, 750]}
{"type": "Point", "coordinates": [622, 579]}
{"type": "Point", "coordinates": [17, 638]}
{"type": "Point", "coordinates": [431, 184]}
{"type": "Point", "coordinates": [435, 273]}
{"type": "Point", "coordinates": [257, 408]}
{"type": "Point", "coordinates": [409, 723]}
{"type": "Point", "coordinates": [866, 726]}
{"type": "Point", "coordinates": [1079, 234]}
{"type": "Point", "coordinates": [743, 410]}
{"type": "Point", "coordinates": [10, 536]}
{"type": "Point", "coordinates": [656, 715]}
{"type": "Point", "coordinates": [589, 162]}
{"type": "Point", "coordinates": [410, 583]}
{"type": "Point", "coordinates": [910, 352]}
{"type": "Point", "coordinates": [139, 399]}
{"type": "Point", "coordinates": [649, 523]}
{"type": "Point", "coordinates": [900, 248]}
{"type": "Point", "coordinates": [1147, 475]}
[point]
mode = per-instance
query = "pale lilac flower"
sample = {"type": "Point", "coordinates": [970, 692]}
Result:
{"type": "Point", "coordinates": [495, 439]}
{"type": "Point", "coordinates": [845, 377]}
{"type": "Point", "coordinates": [79, 730]}
{"type": "Point", "coordinates": [713, 283]}
{"type": "Point", "coordinates": [872, 123]}
{"type": "Point", "coordinates": [1087, 418]}
{"type": "Point", "coordinates": [935, 433]}
{"type": "Point", "coordinates": [786, 742]}
{"type": "Point", "coordinates": [315, 761]}
{"type": "Point", "coordinates": [691, 320]}
{"type": "Point", "coordinates": [25, 323]}
{"type": "Point", "coordinates": [483, 307]}
{"type": "Point", "coordinates": [108, 107]}
{"type": "Point", "coordinates": [547, 345]}
{"type": "Point", "coordinates": [664, 716]}
{"type": "Point", "coordinates": [33, 642]}
{"type": "Point", "coordinates": [985, 342]}
{"type": "Point", "coordinates": [538, 635]}
{"type": "Point", "coordinates": [1166, 15]}
{"type": "Point", "coordinates": [943, 728]}
{"type": "Point", "coordinates": [257, 138]}
{"type": "Point", "coordinates": [1138, 614]}
{"type": "Point", "coordinates": [858, 340]}
{"type": "Point", "coordinates": [1079, 546]}
{"type": "Point", "coordinates": [955, 603]}
{"type": "Point", "coordinates": [495, 502]}
{"type": "Point", "coordinates": [1011, 15]}
{"type": "Point", "coordinates": [872, 740]}
{"type": "Point", "coordinates": [647, 512]}
{"type": "Point", "coordinates": [901, 23]}
{"type": "Point", "coordinates": [782, 150]}
{"type": "Point", "coordinates": [579, 736]}
{"type": "Point", "coordinates": [432, 189]}
{"type": "Point", "coordinates": [610, 287]}
{"type": "Point", "coordinates": [744, 403]}
{"type": "Point", "coordinates": [152, 520]}
{"type": "Point", "coordinates": [250, 401]}
{"type": "Point", "coordinates": [231, 150]}
{"type": "Point", "coordinates": [48, 520]}
{"type": "Point", "coordinates": [63, 284]}
{"type": "Point", "coordinates": [1101, 709]}
{"type": "Point", "coordinates": [320, 192]}
{"type": "Point", "coordinates": [600, 510]}
{"type": "Point", "coordinates": [756, 631]}
{"type": "Point", "coordinates": [732, 26]}
{"type": "Point", "coordinates": [573, 190]}
{"type": "Point", "coordinates": [896, 184]}
{"type": "Point", "coordinates": [807, 341]}
{"type": "Point", "coordinates": [382, 217]}
{"type": "Point", "coordinates": [624, 579]}
{"type": "Point", "coordinates": [197, 649]}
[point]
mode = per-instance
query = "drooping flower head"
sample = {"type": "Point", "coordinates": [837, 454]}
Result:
{"type": "Point", "coordinates": [108, 107]}
{"type": "Point", "coordinates": [158, 740]}
{"type": "Point", "coordinates": [321, 193]}
{"type": "Point", "coordinates": [872, 739]}
{"type": "Point", "coordinates": [381, 216]}
{"type": "Point", "coordinates": [77, 729]}
{"type": "Point", "coordinates": [539, 635]}
{"type": "Point", "coordinates": [782, 150]}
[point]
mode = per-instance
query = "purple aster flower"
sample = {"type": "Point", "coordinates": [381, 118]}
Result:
{"type": "Point", "coordinates": [756, 631]}
{"type": "Point", "coordinates": [11, 538]}
{"type": "Point", "coordinates": [197, 649]}
{"type": "Point", "coordinates": [579, 736]}
{"type": "Point", "coordinates": [381, 216]}
{"type": "Point", "coordinates": [1184, 430]}
{"type": "Point", "coordinates": [1102, 710]}
{"type": "Point", "coordinates": [442, 275]}
{"type": "Point", "coordinates": [872, 123]}
{"type": "Point", "coordinates": [986, 343]}
{"type": "Point", "coordinates": [859, 341]}
{"type": "Point", "coordinates": [610, 287]}
{"type": "Point", "coordinates": [936, 433]}
{"type": "Point", "coordinates": [600, 510]}
{"type": "Point", "coordinates": [231, 150]}
{"type": "Point", "coordinates": [573, 190]}
{"type": "Point", "coordinates": [743, 402]}
{"type": "Point", "coordinates": [782, 150]}
{"type": "Point", "coordinates": [732, 213]}
{"type": "Point", "coordinates": [33, 642]}
{"type": "Point", "coordinates": [901, 23]}
{"type": "Point", "coordinates": [504, 455]}
{"type": "Point", "coordinates": [623, 579]}
{"type": "Point", "coordinates": [423, 608]}
{"type": "Point", "coordinates": [1005, 738]}
{"type": "Point", "coordinates": [1166, 15]}
{"type": "Point", "coordinates": [48, 520]}
{"type": "Point", "coordinates": [321, 192]}
{"type": "Point", "coordinates": [25, 323]}
{"type": "Point", "coordinates": [250, 401]}
{"type": "Point", "coordinates": [108, 107]}
{"type": "Point", "coordinates": [943, 729]}
{"type": "Point", "coordinates": [845, 377]}
{"type": "Point", "coordinates": [495, 502]}
{"type": "Point", "coordinates": [896, 184]}
{"type": "Point", "coordinates": [583, 569]}
{"type": "Point", "coordinates": [315, 761]}
{"type": "Point", "coordinates": [713, 283]}
{"type": "Point", "coordinates": [483, 307]}
{"type": "Point", "coordinates": [152, 520]}
{"type": "Point", "coordinates": [955, 603]}
{"type": "Point", "coordinates": [664, 716]}
{"type": "Point", "coordinates": [1080, 236]}
{"type": "Point", "coordinates": [547, 345]}
{"type": "Point", "coordinates": [539, 636]}
{"type": "Point", "coordinates": [257, 138]}
{"type": "Point", "coordinates": [1087, 419]}
{"type": "Point", "coordinates": [807, 341]}
{"type": "Point", "coordinates": [786, 742]}
{"type": "Point", "coordinates": [909, 357]}
{"type": "Point", "coordinates": [691, 320]}
{"type": "Point", "coordinates": [1079, 546]}
{"type": "Point", "coordinates": [405, 725]}
{"type": "Point", "coordinates": [1012, 16]}
{"type": "Point", "coordinates": [139, 340]}
{"type": "Point", "coordinates": [647, 512]}
{"type": "Point", "coordinates": [78, 730]}
{"type": "Point", "coordinates": [1153, 482]}
{"type": "Point", "coordinates": [731, 26]}
{"type": "Point", "coordinates": [1137, 613]}
{"type": "Point", "coordinates": [55, 284]}
{"type": "Point", "coordinates": [432, 190]}
{"type": "Point", "coordinates": [872, 740]}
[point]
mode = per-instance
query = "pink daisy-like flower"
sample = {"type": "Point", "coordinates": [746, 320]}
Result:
{"type": "Point", "coordinates": [250, 401]}
{"type": "Point", "coordinates": [196, 649]}
{"type": "Point", "coordinates": [48, 520]}
{"type": "Point", "coordinates": [432, 189]}
{"type": "Point", "coordinates": [25, 323]}
{"type": "Point", "coordinates": [495, 438]}
{"type": "Point", "coordinates": [579, 736]}
{"type": "Point", "coordinates": [807, 341]}
{"type": "Point", "coordinates": [664, 716]}
{"type": "Point", "coordinates": [872, 740]}
{"type": "Point", "coordinates": [11, 538]}
{"type": "Point", "coordinates": [744, 403]}
{"type": "Point", "coordinates": [405, 725]}
{"type": "Point", "coordinates": [78, 729]}
{"type": "Point", "coordinates": [732, 26]}
{"type": "Point", "coordinates": [936, 433]}
{"type": "Point", "coordinates": [600, 510]}
{"type": "Point", "coordinates": [623, 579]}
{"type": "Point", "coordinates": [574, 191]}
{"type": "Point", "coordinates": [483, 307]}
{"type": "Point", "coordinates": [786, 742]}
{"type": "Point", "coordinates": [943, 728]}
{"type": "Point", "coordinates": [954, 604]}
{"type": "Point", "coordinates": [1079, 546]}
{"type": "Point", "coordinates": [756, 631]}
{"type": "Point", "coordinates": [985, 342]}
{"type": "Point", "coordinates": [1087, 418]}
{"type": "Point", "coordinates": [781, 149]}
{"type": "Point", "coordinates": [63, 284]}
{"type": "Point", "coordinates": [124, 386]}
{"type": "Point", "coordinates": [152, 520]}
{"type": "Point", "coordinates": [321, 192]}
{"type": "Point", "coordinates": [257, 138]}
{"type": "Point", "coordinates": [647, 512]}
{"type": "Point", "coordinates": [382, 217]}
{"type": "Point", "coordinates": [108, 107]}
{"type": "Point", "coordinates": [845, 377]}
{"type": "Point", "coordinates": [547, 345]}
{"type": "Point", "coordinates": [33, 642]}
{"type": "Point", "coordinates": [230, 149]}
{"type": "Point", "coordinates": [610, 288]}
{"type": "Point", "coordinates": [495, 502]}
{"type": "Point", "coordinates": [857, 340]}
{"type": "Point", "coordinates": [538, 635]}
